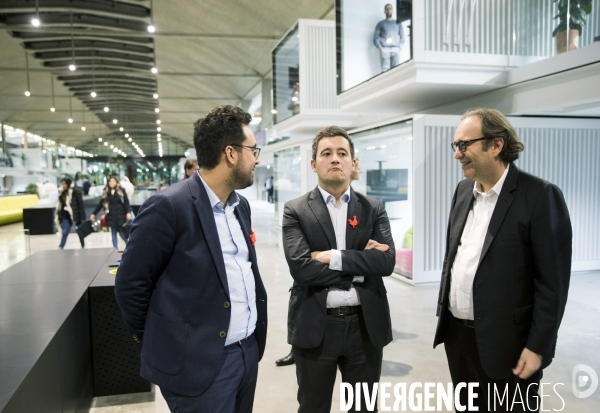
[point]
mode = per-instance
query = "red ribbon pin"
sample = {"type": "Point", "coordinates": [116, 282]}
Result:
{"type": "Point", "coordinates": [353, 222]}
{"type": "Point", "coordinates": [252, 238]}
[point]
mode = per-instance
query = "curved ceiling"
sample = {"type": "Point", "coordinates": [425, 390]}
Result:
{"type": "Point", "coordinates": [206, 53]}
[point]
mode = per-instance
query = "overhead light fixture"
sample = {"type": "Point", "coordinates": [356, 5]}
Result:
{"type": "Point", "coordinates": [273, 111]}
{"type": "Point", "coordinates": [52, 108]}
{"type": "Point", "coordinates": [158, 121]}
{"type": "Point", "coordinates": [151, 28]}
{"type": "Point", "coordinates": [72, 65]}
{"type": "Point", "coordinates": [115, 121]}
{"type": "Point", "coordinates": [70, 120]}
{"type": "Point", "coordinates": [129, 139]}
{"type": "Point", "coordinates": [155, 96]}
{"type": "Point", "coordinates": [158, 139]}
{"type": "Point", "coordinates": [112, 146]}
{"type": "Point", "coordinates": [106, 108]}
{"type": "Point", "coordinates": [157, 110]}
{"type": "Point", "coordinates": [127, 135]}
{"type": "Point", "coordinates": [99, 139]}
{"type": "Point", "coordinates": [121, 129]}
{"type": "Point", "coordinates": [154, 70]}
{"type": "Point", "coordinates": [28, 91]}
{"type": "Point", "coordinates": [83, 128]}
{"type": "Point", "coordinates": [93, 94]}
{"type": "Point", "coordinates": [158, 135]}
{"type": "Point", "coordinates": [159, 129]}
{"type": "Point", "coordinates": [35, 22]}
{"type": "Point", "coordinates": [105, 143]}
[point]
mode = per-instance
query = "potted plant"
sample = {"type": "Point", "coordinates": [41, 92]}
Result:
{"type": "Point", "coordinates": [32, 189]}
{"type": "Point", "coordinates": [575, 11]}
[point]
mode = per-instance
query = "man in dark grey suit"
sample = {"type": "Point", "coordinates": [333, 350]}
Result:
{"type": "Point", "coordinates": [507, 267]}
{"type": "Point", "coordinates": [338, 246]}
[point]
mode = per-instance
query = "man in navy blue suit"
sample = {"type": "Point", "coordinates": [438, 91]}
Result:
{"type": "Point", "coordinates": [189, 286]}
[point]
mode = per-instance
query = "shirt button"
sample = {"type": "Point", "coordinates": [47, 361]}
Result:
{"type": "Point", "coordinates": [226, 305]}
{"type": "Point", "coordinates": [222, 334]}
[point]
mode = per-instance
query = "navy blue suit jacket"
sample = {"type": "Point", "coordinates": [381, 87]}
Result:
{"type": "Point", "coordinates": [172, 288]}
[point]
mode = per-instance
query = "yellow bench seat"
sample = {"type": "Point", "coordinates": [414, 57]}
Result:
{"type": "Point", "coordinates": [11, 207]}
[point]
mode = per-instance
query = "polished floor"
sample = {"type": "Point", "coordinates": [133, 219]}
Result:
{"type": "Point", "coordinates": [409, 358]}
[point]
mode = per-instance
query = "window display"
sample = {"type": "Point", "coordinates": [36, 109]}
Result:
{"type": "Point", "coordinates": [372, 37]}
{"type": "Point", "coordinates": [385, 155]}
{"type": "Point", "coordinates": [286, 77]}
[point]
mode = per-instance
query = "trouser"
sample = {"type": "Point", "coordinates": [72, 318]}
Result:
{"type": "Point", "coordinates": [465, 367]}
{"type": "Point", "coordinates": [390, 57]}
{"type": "Point", "coordinates": [121, 231]}
{"type": "Point", "coordinates": [233, 388]}
{"type": "Point", "coordinates": [347, 346]}
{"type": "Point", "coordinates": [65, 225]}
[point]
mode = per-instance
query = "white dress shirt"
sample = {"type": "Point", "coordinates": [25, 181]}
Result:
{"type": "Point", "coordinates": [339, 219]}
{"type": "Point", "coordinates": [240, 279]}
{"type": "Point", "coordinates": [469, 250]}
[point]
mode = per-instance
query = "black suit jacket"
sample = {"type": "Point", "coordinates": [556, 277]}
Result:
{"type": "Point", "coordinates": [173, 291]}
{"type": "Point", "coordinates": [521, 284]}
{"type": "Point", "coordinates": [307, 227]}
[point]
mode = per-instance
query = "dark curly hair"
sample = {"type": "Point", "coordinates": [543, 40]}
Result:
{"type": "Point", "coordinates": [220, 128]}
{"type": "Point", "coordinates": [330, 132]}
{"type": "Point", "coordinates": [495, 125]}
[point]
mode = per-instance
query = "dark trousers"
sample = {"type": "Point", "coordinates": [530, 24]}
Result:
{"type": "Point", "coordinates": [465, 367]}
{"type": "Point", "coordinates": [346, 345]}
{"type": "Point", "coordinates": [233, 388]}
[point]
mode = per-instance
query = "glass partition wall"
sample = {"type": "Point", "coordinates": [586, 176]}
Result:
{"type": "Point", "coordinates": [372, 37]}
{"type": "Point", "coordinates": [286, 77]}
{"type": "Point", "coordinates": [385, 155]}
{"type": "Point", "coordinates": [286, 179]}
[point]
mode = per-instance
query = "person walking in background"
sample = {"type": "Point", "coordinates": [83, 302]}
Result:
{"type": "Point", "coordinates": [86, 186]}
{"type": "Point", "coordinates": [269, 188]}
{"type": "Point", "coordinates": [190, 167]}
{"type": "Point", "coordinates": [69, 210]}
{"type": "Point", "coordinates": [506, 270]}
{"type": "Point", "coordinates": [116, 205]}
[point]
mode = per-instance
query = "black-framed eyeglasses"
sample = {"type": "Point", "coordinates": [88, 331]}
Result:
{"type": "Point", "coordinates": [254, 149]}
{"type": "Point", "coordinates": [463, 145]}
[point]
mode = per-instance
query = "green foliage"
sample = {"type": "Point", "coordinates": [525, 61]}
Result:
{"type": "Point", "coordinates": [577, 11]}
{"type": "Point", "coordinates": [32, 189]}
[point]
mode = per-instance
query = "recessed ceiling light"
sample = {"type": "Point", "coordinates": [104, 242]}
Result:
{"type": "Point", "coordinates": [129, 139]}
{"type": "Point", "coordinates": [27, 93]}
{"type": "Point", "coordinates": [121, 129]}
{"type": "Point", "coordinates": [159, 129]}
{"type": "Point", "coordinates": [158, 135]}
{"type": "Point", "coordinates": [158, 121]}
{"type": "Point", "coordinates": [106, 109]}
{"type": "Point", "coordinates": [105, 143]}
{"type": "Point", "coordinates": [35, 22]}
{"type": "Point", "coordinates": [93, 94]}
{"type": "Point", "coordinates": [83, 128]}
{"type": "Point", "coordinates": [70, 120]}
{"type": "Point", "coordinates": [115, 121]}
{"type": "Point", "coordinates": [112, 146]}
{"type": "Point", "coordinates": [127, 135]}
{"type": "Point", "coordinates": [158, 139]}
{"type": "Point", "coordinates": [72, 68]}
{"type": "Point", "coordinates": [154, 70]}
{"type": "Point", "coordinates": [155, 96]}
{"type": "Point", "coordinates": [99, 139]}
{"type": "Point", "coordinates": [151, 28]}
{"type": "Point", "coordinates": [52, 109]}
{"type": "Point", "coordinates": [156, 110]}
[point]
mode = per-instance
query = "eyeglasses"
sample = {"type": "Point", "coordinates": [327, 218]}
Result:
{"type": "Point", "coordinates": [463, 145]}
{"type": "Point", "coordinates": [254, 149]}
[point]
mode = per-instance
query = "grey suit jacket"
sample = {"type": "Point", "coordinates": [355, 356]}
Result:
{"type": "Point", "coordinates": [521, 284]}
{"type": "Point", "coordinates": [307, 227]}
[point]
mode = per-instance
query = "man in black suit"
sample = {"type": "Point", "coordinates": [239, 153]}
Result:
{"type": "Point", "coordinates": [338, 246]}
{"type": "Point", "coordinates": [189, 286]}
{"type": "Point", "coordinates": [507, 267]}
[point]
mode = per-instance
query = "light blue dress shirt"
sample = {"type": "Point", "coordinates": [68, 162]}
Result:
{"type": "Point", "coordinates": [337, 297]}
{"type": "Point", "coordinates": [242, 290]}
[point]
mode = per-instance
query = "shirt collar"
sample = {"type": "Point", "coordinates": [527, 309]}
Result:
{"type": "Point", "coordinates": [328, 198]}
{"type": "Point", "coordinates": [496, 188]}
{"type": "Point", "coordinates": [232, 201]}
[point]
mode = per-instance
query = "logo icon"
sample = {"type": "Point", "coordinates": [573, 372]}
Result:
{"type": "Point", "coordinates": [580, 381]}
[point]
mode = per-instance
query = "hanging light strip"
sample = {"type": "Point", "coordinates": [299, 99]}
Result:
{"type": "Point", "coordinates": [28, 91]}
{"type": "Point", "coordinates": [53, 108]}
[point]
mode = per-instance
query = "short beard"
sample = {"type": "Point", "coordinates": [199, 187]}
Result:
{"type": "Point", "coordinates": [239, 179]}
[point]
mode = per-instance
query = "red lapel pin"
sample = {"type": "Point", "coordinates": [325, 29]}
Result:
{"type": "Point", "coordinates": [252, 238]}
{"type": "Point", "coordinates": [353, 222]}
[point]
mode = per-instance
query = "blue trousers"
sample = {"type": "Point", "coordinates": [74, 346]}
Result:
{"type": "Point", "coordinates": [65, 225]}
{"type": "Point", "coordinates": [121, 232]}
{"type": "Point", "coordinates": [233, 388]}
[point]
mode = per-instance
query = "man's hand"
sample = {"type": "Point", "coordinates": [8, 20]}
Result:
{"type": "Point", "coordinates": [92, 217]}
{"type": "Point", "coordinates": [374, 244]}
{"type": "Point", "coordinates": [528, 363]}
{"type": "Point", "coordinates": [321, 256]}
{"type": "Point", "coordinates": [128, 216]}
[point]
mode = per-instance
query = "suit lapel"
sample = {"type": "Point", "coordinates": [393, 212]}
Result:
{"type": "Point", "coordinates": [318, 207]}
{"type": "Point", "coordinates": [354, 211]}
{"type": "Point", "coordinates": [209, 227]}
{"type": "Point", "coordinates": [505, 199]}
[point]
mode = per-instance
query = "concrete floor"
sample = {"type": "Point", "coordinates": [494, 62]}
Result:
{"type": "Point", "coordinates": [409, 358]}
